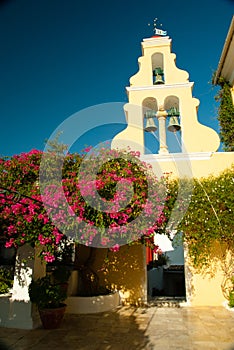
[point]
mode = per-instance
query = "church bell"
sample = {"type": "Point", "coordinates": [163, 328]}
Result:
{"type": "Point", "coordinates": [158, 76]}
{"type": "Point", "coordinates": [173, 125]}
{"type": "Point", "coordinates": [150, 124]}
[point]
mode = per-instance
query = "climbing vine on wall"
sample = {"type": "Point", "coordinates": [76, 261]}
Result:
{"type": "Point", "coordinates": [208, 225]}
{"type": "Point", "coordinates": [209, 217]}
{"type": "Point", "coordinates": [226, 115]}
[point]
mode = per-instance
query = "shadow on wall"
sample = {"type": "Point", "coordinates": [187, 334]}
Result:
{"type": "Point", "coordinates": [219, 268]}
{"type": "Point", "coordinates": [124, 270]}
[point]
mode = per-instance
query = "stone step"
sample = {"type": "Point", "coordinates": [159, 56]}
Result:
{"type": "Point", "coordinates": [166, 301]}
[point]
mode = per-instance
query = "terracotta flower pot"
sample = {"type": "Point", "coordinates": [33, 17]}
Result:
{"type": "Point", "coordinates": [52, 318]}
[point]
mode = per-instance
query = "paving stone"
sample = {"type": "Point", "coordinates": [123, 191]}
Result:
{"type": "Point", "coordinates": [129, 328]}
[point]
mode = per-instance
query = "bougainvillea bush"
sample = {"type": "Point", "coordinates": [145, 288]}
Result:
{"type": "Point", "coordinates": [23, 218]}
{"type": "Point", "coordinates": [105, 198]}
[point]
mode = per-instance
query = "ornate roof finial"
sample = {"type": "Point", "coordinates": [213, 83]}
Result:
{"type": "Point", "coordinates": [155, 23]}
{"type": "Point", "coordinates": [158, 32]}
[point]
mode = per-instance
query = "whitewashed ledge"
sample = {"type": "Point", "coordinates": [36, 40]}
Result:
{"type": "Point", "coordinates": [4, 308]}
{"type": "Point", "coordinates": [90, 305]}
{"type": "Point", "coordinates": [173, 157]}
{"type": "Point", "coordinates": [225, 304]}
{"type": "Point", "coordinates": [18, 313]}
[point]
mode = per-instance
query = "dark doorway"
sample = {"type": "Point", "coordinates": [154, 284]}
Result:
{"type": "Point", "coordinates": [165, 273]}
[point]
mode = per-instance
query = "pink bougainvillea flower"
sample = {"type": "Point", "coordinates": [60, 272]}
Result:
{"type": "Point", "coordinates": [49, 258]}
{"type": "Point", "coordinates": [10, 243]}
{"type": "Point", "coordinates": [115, 248]}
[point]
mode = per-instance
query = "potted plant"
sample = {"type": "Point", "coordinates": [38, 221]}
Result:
{"type": "Point", "coordinates": [49, 298]}
{"type": "Point", "coordinates": [60, 275]}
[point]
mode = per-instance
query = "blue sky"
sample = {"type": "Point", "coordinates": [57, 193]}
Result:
{"type": "Point", "coordinates": [61, 56]}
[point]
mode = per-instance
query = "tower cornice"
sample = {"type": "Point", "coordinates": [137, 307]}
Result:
{"type": "Point", "coordinates": [163, 86]}
{"type": "Point", "coordinates": [156, 41]}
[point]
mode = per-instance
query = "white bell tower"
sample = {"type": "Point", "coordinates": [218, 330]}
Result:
{"type": "Point", "coordinates": [161, 102]}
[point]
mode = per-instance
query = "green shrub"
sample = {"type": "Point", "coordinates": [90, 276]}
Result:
{"type": "Point", "coordinates": [6, 280]}
{"type": "Point", "coordinates": [231, 299]}
{"type": "Point", "coordinates": [231, 295]}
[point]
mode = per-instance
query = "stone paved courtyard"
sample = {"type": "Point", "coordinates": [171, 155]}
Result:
{"type": "Point", "coordinates": [129, 328]}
